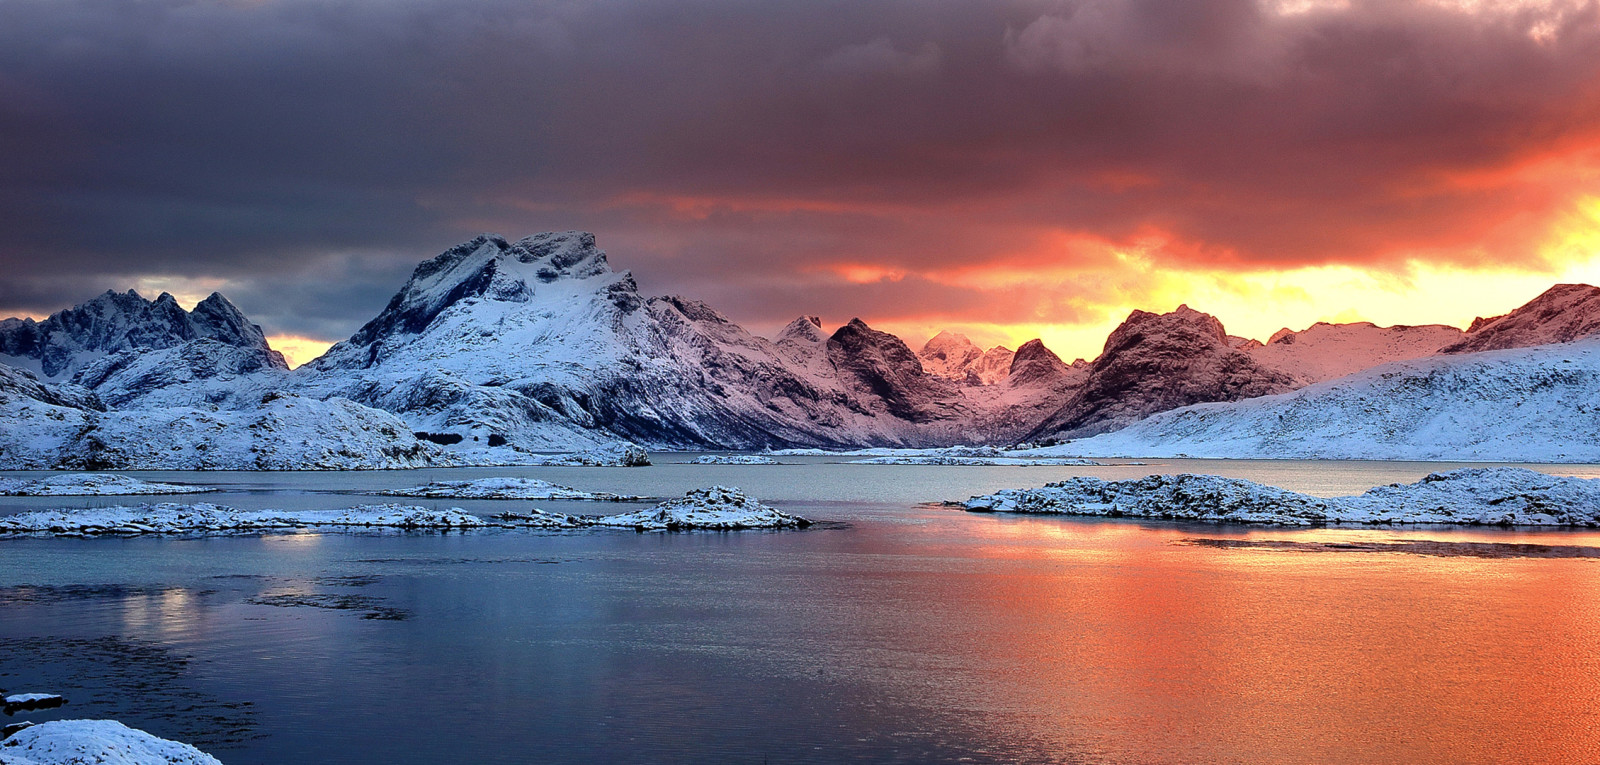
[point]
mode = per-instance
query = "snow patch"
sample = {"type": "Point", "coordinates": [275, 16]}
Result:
{"type": "Point", "coordinates": [979, 461]}
{"type": "Point", "coordinates": [733, 459]}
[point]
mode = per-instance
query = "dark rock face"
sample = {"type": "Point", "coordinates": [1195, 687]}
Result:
{"type": "Point", "coordinates": [883, 371]}
{"type": "Point", "coordinates": [1561, 314]}
{"type": "Point", "coordinates": [116, 322]}
{"type": "Point", "coordinates": [1036, 365]}
{"type": "Point", "coordinates": [1153, 363]}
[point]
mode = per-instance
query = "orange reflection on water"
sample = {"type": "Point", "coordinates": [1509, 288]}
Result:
{"type": "Point", "coordinates": [1117, 642]}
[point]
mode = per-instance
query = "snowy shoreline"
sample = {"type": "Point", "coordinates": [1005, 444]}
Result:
{"type": "Point", "coordinates": [1470, 496]}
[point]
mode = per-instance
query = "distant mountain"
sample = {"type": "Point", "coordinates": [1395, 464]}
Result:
{"type": "Point", "coordinates": [1562, 313]}
{"type": "Point", "coordinates": [1155, 362]}
{"type": "Point", "coordinates": [1325, 351]}
{"type": "Point", "coordinates": [115, 322]}
{"type": "Point", "coordinates": [954, 357]}
{"type": "Point", "coordinates": [1539, 404]}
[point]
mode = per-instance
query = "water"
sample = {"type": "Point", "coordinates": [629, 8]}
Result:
{"type": "Point", "coordinates": [906, 633]}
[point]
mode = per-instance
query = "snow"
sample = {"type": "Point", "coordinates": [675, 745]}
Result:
{"type": "Point", "coordinates": [282, 432]}
{"type": "Point", "coordinates": [733, 459]}
{"type": "Point", "coordinates": [719, 508]}
{"type": "Point", "coordinates": [34, 700]}
{"type": "Point", "coordinates": [90, 485]}
{"type": "Point", "coordinates": [505, 488]}
{"type": "Point", "coordinates": [1327, 351]}
{"type": "Point", "coordinates": [95, 742]}
{"type": "Point", "coordinates": [174, 518]}
{"type": "Point", "coordinates": [1523, 405]}
{"type": "Point", "coordinates": [1475, 496]}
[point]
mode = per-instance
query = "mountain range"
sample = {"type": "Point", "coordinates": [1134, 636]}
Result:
{"type": "Point", "coordinates": [496, 349]}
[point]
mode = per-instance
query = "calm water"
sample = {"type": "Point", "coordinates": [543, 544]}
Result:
{"type": "Point", "coordinates": [906, 633]}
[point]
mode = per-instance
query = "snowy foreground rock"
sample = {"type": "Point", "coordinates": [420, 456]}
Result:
{"type": "Point", "coordinates": [97, 742]}
{"type": "Point", "coordinates": [719, 508]}
{"type": "Point", "coordinates": [90, 485]}
{"type": "Point", "coordinates": [174, 518]}
{"type": "Point", "coordinates": [1475, 496]}
{"type": "Point", "coordinates": [505, 488]}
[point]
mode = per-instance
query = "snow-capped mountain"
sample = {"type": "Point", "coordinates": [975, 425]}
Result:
{"type": "Point", "coordinates": [68, 340]}
{"type": "Point", "coordinates": [1155, 362]}
{"type": "Point", "coordinates": [539, 345]}
{"type": "Point", "coordinates": [1561, 314]}
{"type": "Point", "coordinates": [954, 357]}
{"type": "Point", "coordinates": [1539, 404]}
{"type": "Point", "coordinates": [495, 348]}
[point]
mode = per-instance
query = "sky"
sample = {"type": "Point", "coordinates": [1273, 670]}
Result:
{"type": "Point", "coordinates": [1006, 169]}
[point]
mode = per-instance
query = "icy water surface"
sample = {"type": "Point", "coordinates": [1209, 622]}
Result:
{"type": "Point", "coordinates": [905, 633]}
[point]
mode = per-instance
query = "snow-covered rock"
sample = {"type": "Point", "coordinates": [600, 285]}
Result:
{"type": "Point", "coordinates": [505, 488]}
{"type": "Point", "coordinates": [90, 485]}
{"type": "Point", "coordinates": [609, 455]}
{"type": "Point", "coordinates": [733, 459]}
{"type": "Point", "coordinates": [27, 702]}
{"type": "Point", "coordinates": [174, 518]}
{"type": "Point", "coordinates": [719, 508]}
{"type": "Point", "coordinates": [1537, 404]}
{"type": "Point", "coordinates": [95, 742]}
{"type": "Point", "coordinates": [1476, 496]}
{"type": "Point", "coordinates": [1563, 313]}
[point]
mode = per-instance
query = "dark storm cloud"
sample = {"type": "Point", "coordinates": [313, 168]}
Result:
{"type": "Point", "coordinates": [307, 153]}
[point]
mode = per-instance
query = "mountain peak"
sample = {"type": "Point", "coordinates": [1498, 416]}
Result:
{"type": "Point", "coordinates": [1563, 313]}
{"type": "Point", "coordinates": [123, 321]}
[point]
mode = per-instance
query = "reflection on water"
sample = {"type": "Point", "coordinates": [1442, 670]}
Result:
{"type": "Point", "coordinates": [913, 634]}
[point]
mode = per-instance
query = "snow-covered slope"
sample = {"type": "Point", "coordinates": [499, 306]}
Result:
{"type": "Point", "coordinates": [46, 427]}
{"type": "Point", "coordinates": [58, 346]}
{"type": "Point", "coordinates": [1537, 404]}
{"type": "Point", "coordinates": [1155, 362]}
{"type": "Point", "coordinates": [1561, 314]}
{"type": "Point", "coordinates": [1326, 351]}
